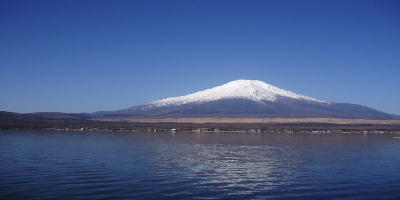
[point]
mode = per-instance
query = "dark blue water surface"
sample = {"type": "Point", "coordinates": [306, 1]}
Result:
{"type": "Point", "coordinates": [88, 165]}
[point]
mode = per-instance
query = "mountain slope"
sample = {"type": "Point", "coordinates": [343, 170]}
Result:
{"type": "Point", "coordinates": [257, 91]}
{"type": "Point", "coordinates": [247, 98]}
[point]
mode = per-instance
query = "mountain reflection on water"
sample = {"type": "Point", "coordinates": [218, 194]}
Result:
{"type": "Point", "coordinates": [81, 165]}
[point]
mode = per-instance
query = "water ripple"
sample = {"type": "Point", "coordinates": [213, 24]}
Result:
{"type": "Point", "coordinates": [46, 165]}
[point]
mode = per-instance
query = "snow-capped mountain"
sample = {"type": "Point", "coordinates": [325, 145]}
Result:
{"type": "Point", "coordinates": [247, 98]}
{"type": "Point", "coordinates": [254, 90]}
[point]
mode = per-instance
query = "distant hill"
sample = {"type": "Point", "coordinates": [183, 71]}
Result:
{"type": "Point", "coordinates": [41, 120]}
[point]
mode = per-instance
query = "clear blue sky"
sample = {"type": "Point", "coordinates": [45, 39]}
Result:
{"type": "Point", "coordinates": [85, 56]}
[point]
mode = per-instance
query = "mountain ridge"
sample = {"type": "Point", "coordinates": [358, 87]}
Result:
{"type": "Point", "coordinates": [247, 98]}
{"type": "Point", "coordinates": [247, 89]}
{"type": "Point", "coordinates": [240, 101]}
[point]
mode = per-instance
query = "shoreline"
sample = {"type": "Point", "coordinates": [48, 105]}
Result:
{"type": "Point", "coordinates": [213, 125]}
{"type": "Point", "coordinates": [339, 121]}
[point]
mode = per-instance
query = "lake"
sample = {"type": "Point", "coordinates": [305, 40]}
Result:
{"type": "Point", "coordinates": [138, 165]}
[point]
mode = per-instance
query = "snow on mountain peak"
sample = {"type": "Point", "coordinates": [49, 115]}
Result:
{"type": "Point", "coordinates": [255, 90]}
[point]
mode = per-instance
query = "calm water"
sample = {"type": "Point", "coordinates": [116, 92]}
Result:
{"type": "Point", "coordinates": [59, 165]}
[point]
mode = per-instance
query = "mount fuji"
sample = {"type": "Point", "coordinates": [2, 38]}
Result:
{"type": "Point", "coordinates": [247, 98]}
